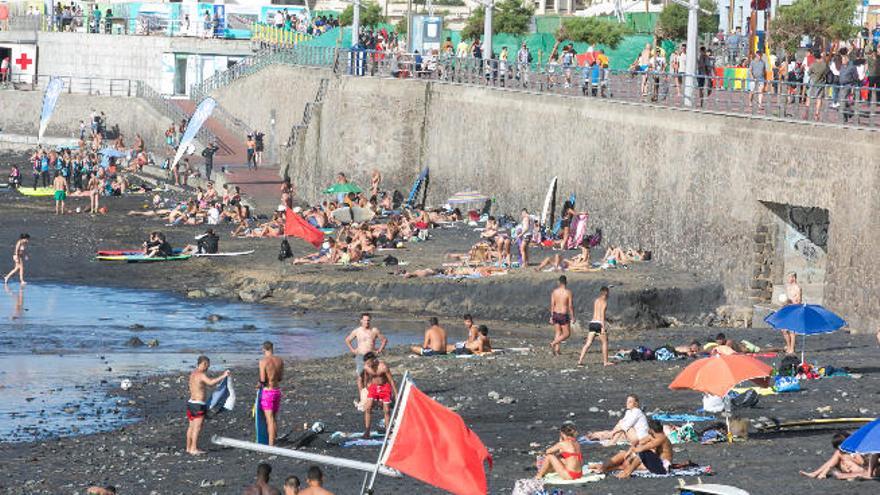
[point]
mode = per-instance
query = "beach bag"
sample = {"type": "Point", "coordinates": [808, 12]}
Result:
{"type": "Point", "coordinates": [285, 252]}
{"type": "Point", "coordinates": [789, 366]}
{"type": "Point", "coordinates": [786, 384]}
{"type": "Point", "coordinates": [749, 398]}
{"type": "Point", "coordinates": [664, 354]}
{"type": "Point", "coordinates": [390, 261]}
{"type": "Point", "coordinates": [683, 434]}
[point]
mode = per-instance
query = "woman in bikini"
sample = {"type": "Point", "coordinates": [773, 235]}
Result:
{"type": "Point", "coordinates": [564, 458]}
{"type": "Point", "coordinates": [19, 256]}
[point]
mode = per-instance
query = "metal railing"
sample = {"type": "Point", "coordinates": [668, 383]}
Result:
{"type": "Point", "coordinates": [140, 25]}
{"type": "Point", "coordinates": [854, 105]}
{"type": "Point", "coordinates": [94, 86]}
{"type": "Point", "coordinates": [300, 55]}
{"type": "Point", "coordinates": [166, 107]}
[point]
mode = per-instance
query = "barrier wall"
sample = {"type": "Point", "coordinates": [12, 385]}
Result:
{"type": "Point", "coordinates": [692, 187]}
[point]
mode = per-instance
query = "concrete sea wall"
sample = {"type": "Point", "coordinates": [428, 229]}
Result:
{"type": "Point", "coordinates": [21, 115]}
{"type": "Point", "coordinates": [692, 187]}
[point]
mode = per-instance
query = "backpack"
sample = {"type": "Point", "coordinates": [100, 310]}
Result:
{"type": "Point", "coordinates": [390, 261]}
{"type": "Point", "coordinates": [749, 398]}
{"type": "Point", "coordinates": [789, 366]}
{"type": "Point", "coordinates": [286, 252]}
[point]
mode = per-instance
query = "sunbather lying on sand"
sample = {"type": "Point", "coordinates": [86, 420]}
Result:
{"type": "Point", "coordinates": [653, 453]}
{"type": "Point", "coordinates": [725, 346]}
{"type": "Point", "coordinates": [565, 457]}
{"type": "Point", "coordinates": [462, 271]}
{"type": "Point", "coordinates": [844, 466]}
{"type": "Point", "coordinates": [327, 254]}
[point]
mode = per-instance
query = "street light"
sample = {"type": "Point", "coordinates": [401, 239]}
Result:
{"type": "Point", "coordinates": [690, 69]}
{"type": "Point", "coordinates": [488, 6]}
{"type": "Point", "coordinates": [355, 22]}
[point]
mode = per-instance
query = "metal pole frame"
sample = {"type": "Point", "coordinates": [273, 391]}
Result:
{"type": "Point", "coordinates": [368, 488]}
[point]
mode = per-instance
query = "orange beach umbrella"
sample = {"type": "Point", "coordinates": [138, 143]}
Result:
{"type": "Point", "coordinates": [718, 374]}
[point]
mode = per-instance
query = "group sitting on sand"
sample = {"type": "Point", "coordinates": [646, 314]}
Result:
{"type": "Point", "coordinates": [291, 486]}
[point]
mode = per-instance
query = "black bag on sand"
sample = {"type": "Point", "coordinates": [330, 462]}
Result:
{"type": "Point", "coordinates": [390, 261]}
{"type": "Point", "coordinates": [749, 398]}
{"type": "Point", "coordinates": [285, 251]}
{"type": "Point", "coordinates": [789, 365]}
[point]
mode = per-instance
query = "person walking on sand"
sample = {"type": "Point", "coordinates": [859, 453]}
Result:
{"type": "Point", "coordinates": [196, 406]}
{"type": "Point", "coordinates": [561, 314]}
{"type": "Point", "coordinates": [271, 374]}
{"type": "Point", "coordinates": [794, 295]}
{"type": "Point", "coordinates": [315, 480]}
{"type": "Point", "coordinates": [19, 256]}
{"type": "Point", "coordinates": [60, 185]}
{"type": "Point", "coordinates": [597, 327]}
{"type": "Point", "coordinates": [380, 387]}
{"type": "Point", "coordinates": [366, 336]}
{"type": "Point", "coordinates": [261, 486]}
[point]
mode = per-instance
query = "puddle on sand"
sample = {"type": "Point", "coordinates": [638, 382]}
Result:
{"type": "Point", "coordinates": [64, 349]}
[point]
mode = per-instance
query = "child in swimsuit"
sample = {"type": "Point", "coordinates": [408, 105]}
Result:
{"type": "Point", "coordinates": [564, 458]}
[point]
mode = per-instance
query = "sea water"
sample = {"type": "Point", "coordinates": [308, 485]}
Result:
{"type": "Point", "coordinates": [65, 349]}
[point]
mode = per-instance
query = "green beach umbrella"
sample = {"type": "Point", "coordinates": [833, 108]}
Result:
{"type": "Point", "coordinates": [345, 187]}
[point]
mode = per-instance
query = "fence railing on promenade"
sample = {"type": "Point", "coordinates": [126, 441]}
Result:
{"type": "Point", "coordinates": [853, 105]}
{"type": "Point", "coordinates": [96, 86]}
{"type": "Point", "coordinates": [101, 24]}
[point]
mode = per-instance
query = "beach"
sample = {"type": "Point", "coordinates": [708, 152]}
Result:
{"type": "Point", "coordinates": [515, 401]}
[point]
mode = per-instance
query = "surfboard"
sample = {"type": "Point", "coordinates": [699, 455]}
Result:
{"type": "Point", "coordinates": [261, 430]}
{"type": "Point", "coordinates": [420, 183]}
{"type": "Point", "coordinates": [129, 252]}
{"type": "Point", "coordinates": [555, 479]}
{"type": "Point", "coordinates": [712, 489]}
{"type": "Point", "coordinates": [774, 424]}
{"type": "Point", "coordinates": [233, 253]}
{"type": "Point", "coordinates": [143, 259]}
{"type": "Point", "coordinates": [353, 214]}
{"type": "Point", "coordinates": [40, 191]}
{"type": "Point", "coordinates": [549, 209]}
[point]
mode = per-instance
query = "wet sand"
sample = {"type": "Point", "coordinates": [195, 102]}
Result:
{"type": "Point", "coordinates": [147, 457]}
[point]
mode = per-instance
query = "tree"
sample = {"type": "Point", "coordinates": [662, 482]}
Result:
{"type": "Point", "coordinates": [508, 16]}
{"type": "Point", "coordinates": [400, 27]}
{"type": "Point", "coordinates": [590, 30]}
{"type": "Point", "coordinates": [672, 24]}
{"type": "Point", "coordinates": [822, 20]}
{"type": "Point", "coordinates": [371, 15]}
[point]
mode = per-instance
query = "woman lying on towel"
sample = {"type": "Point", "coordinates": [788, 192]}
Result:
{"type": "Point", "coordinates": [564, 458]}
{"type": "Point", "coordinates": [843, 466]}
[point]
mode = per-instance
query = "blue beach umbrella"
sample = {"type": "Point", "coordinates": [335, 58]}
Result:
{"type": "Point", "coordinates": [866, 440]}
{"type": "Point", "coordinates": [805, 319]}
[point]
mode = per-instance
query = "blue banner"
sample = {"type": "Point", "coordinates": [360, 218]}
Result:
{"type": "Point", "coordinates": [199, 116]}
{"type": "Point", "coordinates": [50, 98]}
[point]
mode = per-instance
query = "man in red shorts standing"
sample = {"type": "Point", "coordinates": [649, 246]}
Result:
{"type": "Point", "coordinates": [196, 406]}
{"type": "Point", "coordinates": [380, 387]}
{"type": "Point", "coordinates": [271, 374]}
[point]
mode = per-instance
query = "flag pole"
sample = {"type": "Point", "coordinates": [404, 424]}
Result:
{"type": "Point", "coordinates": [368, 488]}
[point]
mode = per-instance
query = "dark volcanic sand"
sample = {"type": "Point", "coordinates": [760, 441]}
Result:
{"type": "Point", "coordinates": [147, 457]}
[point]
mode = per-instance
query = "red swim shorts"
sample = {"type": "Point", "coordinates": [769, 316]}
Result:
{"type": "Point", "coordinates": [381, 393]}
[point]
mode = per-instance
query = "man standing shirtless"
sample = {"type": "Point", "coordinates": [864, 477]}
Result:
{"type": "Point", "coordinates": [365, 336]}
{"type": "Point", "coordinates": [561, 314]}
{"type": "Point", "coordinates": [60, 185]}
{"type": "Point", "coordinates": [794, 295]}
{"type": "Point", "coordinates": [435, 340]}
{"type": "Point", "coordinates": [196, 407]}
{"type": "Point", "coordinates": [271, 374]}
{"type": "Point", "coordinates": [380, 387]}
{"type": "Point", "coordinates": [597, 327]}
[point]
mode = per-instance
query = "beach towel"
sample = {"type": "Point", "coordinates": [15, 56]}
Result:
{"type": "Point", "coordinates": [681, 418]}
{"type": "Point", "coordinates": [676, 472]}
{"type": "Point", "coordinates": [758, 390]}
{"type": "Point", "coordinates": [223, 397]}
{"type": "Point", "coordinates": [341, 437]}
{"type": "Point", "coordinates": [362, 442]}
{"type": "Point", "coordinates": [577, 231]}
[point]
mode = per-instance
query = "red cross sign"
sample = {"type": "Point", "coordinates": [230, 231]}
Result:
{"type": "Point", "coordinates": [23, 61]}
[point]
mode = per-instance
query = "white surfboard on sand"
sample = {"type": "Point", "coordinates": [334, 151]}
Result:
{"type": "Point", "coordinates": [712, 489]}
{"type": "Point", "coordinates": [235, 253]}
{"type": "Point", "coordinates": [549, 204]}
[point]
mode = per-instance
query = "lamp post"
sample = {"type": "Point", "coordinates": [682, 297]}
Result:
{"type": "Point", "coordinates": [356, 23]}
{"type": "Point", "coordinates": [690, 67]}
{"type": "Point", "coordinates": [488, 7]}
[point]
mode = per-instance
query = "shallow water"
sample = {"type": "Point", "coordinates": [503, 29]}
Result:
{"type": "Point", "coordinates": [64, 349]}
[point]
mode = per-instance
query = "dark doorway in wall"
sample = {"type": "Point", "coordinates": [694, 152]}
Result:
{"type": "Point", "coordinates": [800, 245]}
